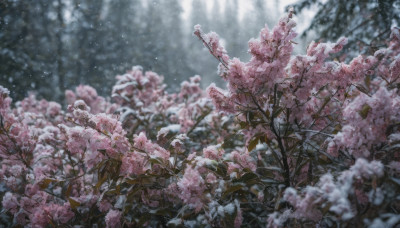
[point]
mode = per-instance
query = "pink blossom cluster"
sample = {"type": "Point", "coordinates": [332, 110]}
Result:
{"type": "Point", "coordinates": [67, 162]}
{"type": "Point", "coordinates": [305, 113]}
{"type": "Point", "coordinates": [192, 187]}
{"type": "Point", "coordinates": [368, 120]}
{"type": "Point", "coordinates": [294, 141]}
{"type": "Point", "coordinates": [88, 94]}
{"type": "Point", "coordinates": [145, 104]}
{"type": "Point", "coordinates": [270, 55]}
{"type": "Point", "coordinates": [334, 196]}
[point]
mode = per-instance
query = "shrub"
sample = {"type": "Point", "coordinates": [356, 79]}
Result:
{"type": "Point", "coordinates": [293, 141]}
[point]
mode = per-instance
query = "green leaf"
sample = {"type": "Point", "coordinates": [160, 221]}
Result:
{"type": "Point", "coordinates": [68, 191]}
{"type": "Point", "coordinates": [364, 111]}
{"type": "Point", "coordinates": [221, 169]}
{"type": "Point", "coordinates": [264, 139]}
{"type": "Point", "coordinates": [273, 168]}
{"type": "Point", "coordinates": [74, 204]}
{"type": "Point", "coordinates": [228, 142]}
{"type": "Point", "coordinates": [212, 165]}
{"type": "Point", "coordinates": [229, 219]}
{"type": "Point", "coordinates": [156, 160]}
{"type": "Point", "coordinates": [362, 89]}
{"type": "Point", "coordinates": [45, 183]}
{"type": "Point", "coordinates": [115, 191]}
{"type": "Point", "coordinates": [132, 181]}
{"type": "Point", "coordinates": [162, 212]}
{"type": "Point", "coordinates": [243, 124]}
{"type": "Point", "coordinates": [367, 80]}
{"type": "Point", "coordinates": [232, 189]}
{"type": "Point", "coordinates": [269, 181]}
{"type": "Point", "coordinates": [277, 112]}
{"type": "Point", "coordinates": [103, 169]}
{"type": "Point", "coordinates": [268, 113]}
{"type": "Point", "coordinates": [132, 193]}
{"type": "Point", "coordinates": [338, 128]}
{"type": "Point", "coordinates": [142, 179]}
{"type": "Point", "coordinates": [101, 181]}
{"type": "Point", "coordinates": [145, 218]}
{"type": "Point", "coordinates": [253, 143]}
{"type": "Point", "coordinates": [247, 177]}
{"type": "Point", "coordinates": [249, 117]}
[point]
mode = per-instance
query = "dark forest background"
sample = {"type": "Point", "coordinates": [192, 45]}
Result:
{"type": "Point", "coordinates": [48, 46]}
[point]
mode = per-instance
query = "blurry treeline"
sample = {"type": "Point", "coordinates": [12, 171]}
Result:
{"type": "Point", "coordinates": [48, 46]}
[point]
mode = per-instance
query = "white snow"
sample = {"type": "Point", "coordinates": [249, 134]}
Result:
{"type": "Point", "coordinates": [230, 209]}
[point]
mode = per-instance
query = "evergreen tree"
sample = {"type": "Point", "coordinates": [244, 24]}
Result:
{"type": "Point", "coordinates": [174, 59]}
{"type": "Point", "coordinates": [86, 31]}
{"type": "Point", "coordinates": [366, 24]}
{"type": "Point", "coordinates": [233, 33]}
{"type": "Point", "coordinates": [30, 36]}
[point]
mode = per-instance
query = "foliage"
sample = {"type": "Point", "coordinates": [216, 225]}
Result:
{"type": "Point", "coordinates": [294, 141]}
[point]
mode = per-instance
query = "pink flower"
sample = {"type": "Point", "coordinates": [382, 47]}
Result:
{"type": "Point", "coordinates": [104, 205]}
{"type": "Point", "coordinates": [133, 163]}
{"type": "Point", "coordinates": [192, 187]}
{"type": "Point", "coordinates": [39, 218]}
{"type": "Point", "coordinates": [220, 100]}
{"type": "Point", "coordinates": [244, 160]}
{"type": "Point", "coordinates": [53, 109]}
{"type": "Point", "coordinates": [76, 141]}
{"type": "Point", "coordinates": [140, 140]}
{"type": "Point", "coordinates": [10, 202]}
{"type": "Point", "coordinates": [211, 178]}
{"type": "Point", "coordinates": [212, 152]}
{"type": "Point", "coordinates": [367, 119]}
{"type": "Point", "coordinates": [61, 214]}
{"type": "Point", "coordinates": [107, 124]}
{"type": "Point", "coordinates": [113, 219]}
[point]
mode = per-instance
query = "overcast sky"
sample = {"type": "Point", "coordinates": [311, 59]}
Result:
{"type": "Point", "coordinates": [245, 7]}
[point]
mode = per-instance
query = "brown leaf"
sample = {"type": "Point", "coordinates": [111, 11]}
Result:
{"type": "Point", "coordinates": [101, 181]}
{"type": "Point", "coordinates": [74, 204]}
{"type": "Point", "coordinates": [45, 183]}
{"type": "Point", "coordinates": [69, 189]}
{"type": "Point", "coordinates": [362, 89]}
{"type": "Point", "coordinates": [253, 143]}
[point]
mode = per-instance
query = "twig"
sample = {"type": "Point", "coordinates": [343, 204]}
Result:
{"type": "Point", "coordinates": [211, 51]}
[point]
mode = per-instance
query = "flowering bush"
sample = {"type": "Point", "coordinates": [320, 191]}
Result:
{"type": "Point", "coordinates": [293, 141]}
